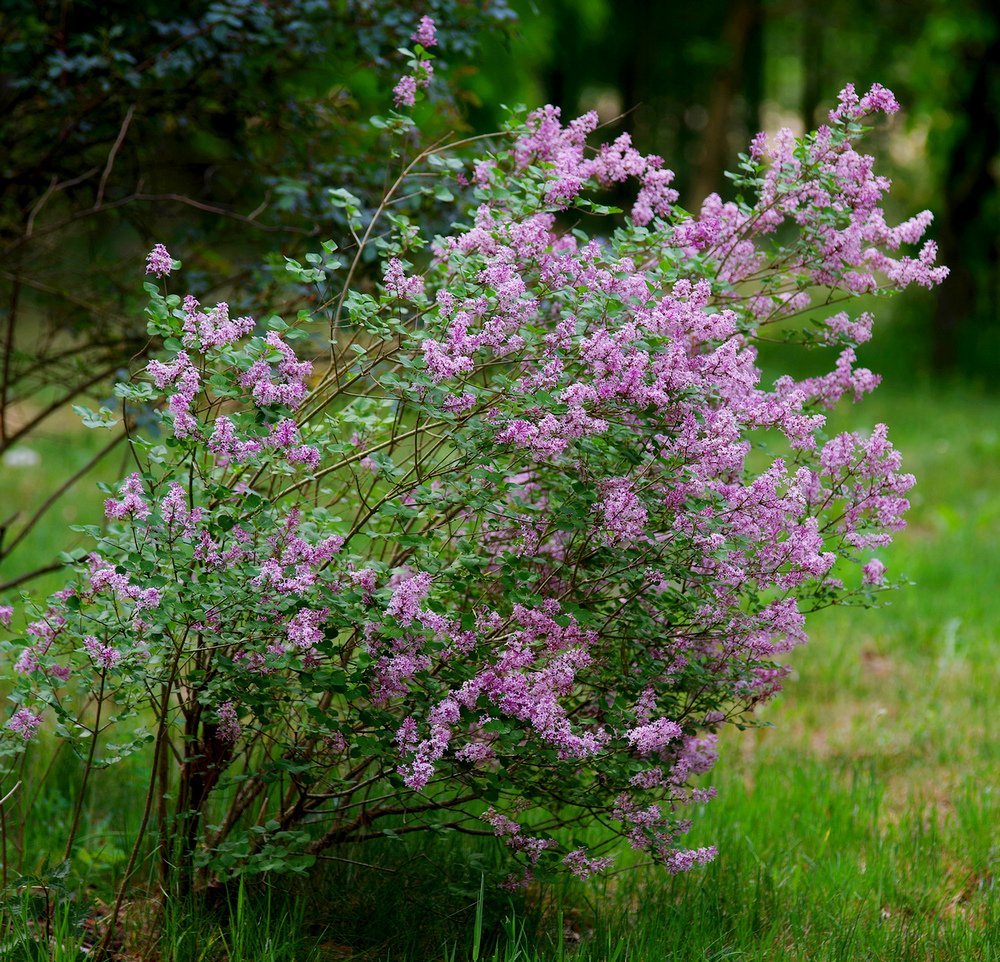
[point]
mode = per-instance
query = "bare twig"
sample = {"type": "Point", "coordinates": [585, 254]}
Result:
{"type": "Point", "coordinates": [10, 794]}
{"type": "Point", "coordinates": [58, 493]}
{"type": "Point", "coordinates": [27, 576]}
{"type": "Point", "coordinates": [119, 140]}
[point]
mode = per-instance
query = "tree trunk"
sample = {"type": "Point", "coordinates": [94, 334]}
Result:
{"type": "Point", "coordinates": [743, 19]}
{"type": "Point", "coordinates": [967, 309]}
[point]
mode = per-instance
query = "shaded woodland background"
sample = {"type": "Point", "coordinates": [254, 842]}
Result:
{"type": "Point", "coordinates": [699, 79]}
{"type": "Point", "coordinates": [217, 127]}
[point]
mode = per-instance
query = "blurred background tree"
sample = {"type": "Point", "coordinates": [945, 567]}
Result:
{"type": "Point", "coordinates": [694, 82]}
{"type": "Point", "coordinates": [213, 126]}
{"type": "Point", "coordinates": [216, 127]}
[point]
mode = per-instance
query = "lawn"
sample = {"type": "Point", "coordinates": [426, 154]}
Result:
{"type": "Point", "coordinates": [860, 823]}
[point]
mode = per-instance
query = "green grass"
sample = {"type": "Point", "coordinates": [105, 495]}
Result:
{"type": "Point", "coordinates": [31, 472]}
{"type": "Point", "coordinates": [861, 825]}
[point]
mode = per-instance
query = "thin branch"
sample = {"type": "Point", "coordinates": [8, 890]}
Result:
{"type": "Point", "coordinates": [58, 403]}
{"type": "Point", "coordinates": [54, 186]}
{"type": "Point", "coordinates": [119, 140]}
{"type": "Point", "coordinates": [58, 493]}
{"type": "Point", "coordinates": [37, 573]}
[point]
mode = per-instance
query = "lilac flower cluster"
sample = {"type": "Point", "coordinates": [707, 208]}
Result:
{"type": "Point", "coordinates": [526, 682]}
{"type": "Point", "coordinates": [284, 438]}
{"type": "Point", "coordinates": [583, 571]}
{"type": "Point", "coordinates": [184, 377]}
{"type": "Point", "coordinates": [103, 577]}
{"type": "Point", "coordinates": [45, 632]}
{"type": "Point", "coordinates": [404, 94]}
{"type": "Point", "coordinates": [563, 150]}
{"type": "Point", "coordinates": [24, 723]}
{"type": "Point", "coordinates": [426, 33]}
{"type": "Point", "coordinates": [132, 503]}
{"type": "Point", "coordinates": [291, 373]}
{"type": "Point", "coordinates": [229, 725]}
{"type": "Point", "coordinates": [293, 562]}
{"type": "Point", "coordinates": [623, 516]}
{"type": "Point", "coordinates": [273, 376]}
{"type": "Point", "coordinates": [105, 656]}
{"type": "Point", "coordinates": [399, 285]}
{"type": "Point", "coordinates": [214, 329]}
{"type": "Point", "coordinates": [159, 261]}
{"type": "Point", "coordinates": [582, 866]}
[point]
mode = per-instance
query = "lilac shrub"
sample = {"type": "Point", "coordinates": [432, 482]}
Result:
{"type": "Point", "coordinates": [507, 555]}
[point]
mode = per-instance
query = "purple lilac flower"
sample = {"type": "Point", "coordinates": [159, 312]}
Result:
{"type": "Point", "coordinates": [426, 33]}
{"type": "Point", "coordinates": [304, 629]}
{"type": "Point", "coordinates": [229, 725]}
{"type": "Point", "coordinates": [227, 447]}
{"type": "Point", "coordinates": [214, 329]}
{"type": "Point", "coordinates": [683, 860]}
{"type": "Point", "coordinates": [104, 656]}
{"type": "Point", "coordinates": [873, 573]}
{"type": "Point", "coordinates": [185, 377]}
{"type": "Point", "coordinates": [583, 867]}
{"type": "Point", "coordinates": [159, 261]}
{"type": "Point", "coordinates": [399, 285]}
{"type": "Point", "coordinates": [24, 723]}
{"type": "Point", "coordinates": [291, 386]}
{"type": "Point", "coordinates": [367, 580]}
{"type": "Point", "coordinates": [405, 92]}
{"type": "Point", "coordinates": [174, 511]}
{"type": "Point", "coordinates": [404, 605]}
{"type": "Point", "coordinates": [654, 737]}
{"type": "Point", "coordinates": [623, 516]}
{"type": "Point", "coordinates": [104, 577]}
{"type": "Point", "coordinates": [132, 504]}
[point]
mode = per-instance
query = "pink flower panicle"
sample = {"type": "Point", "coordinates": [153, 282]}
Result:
{"type": "Point", "coordinates": [286, 385]}
{"type": "Point", "coordinates": [405, 92]}
{"type": "Point", "coordinates": [215, 329]}
{"type": "Point", "coordinates": [623, 516]}
{"type": "Point", "coordinates": [24, 723]}
{"type": "Point", "coordinates": [683, 860]}
{"type": "Point", "coordinates": [654, 737]}
{"type": "Point", "coordinates": [851, 107]}
{"type": "Point", "coordinates": [293, 564]}
{"type": "Point", "coordinates": [132, 503]}
{"type": "Point", "coordinates": [367, 580]}
{"type": "Point", "coordinates": [399, 285]}
{"type": "Point", "coordinates": [179, 520]}
{"type": "Point", "coordinates": [104, 577]}
{"type": "Point", "coordinates": [582, 866]}
{"type": "Point", "coordinates": [304, 629]}
{"type": "Point", "coordinates": [404, 605]}
{"type": "Point", "coordinates": [229, 725]}
{"type": "Point", "coordinates": [159, 262]}
{"type": "Point", "coordinates": [426, 33]}
{"type": "Point", "coordinates": [183, 375]}
{"type": "Point", "coordinates": [104, 656]}
{"type": "Point", "coordinates": [227, 447]}
{"type": "Point", "coordinates": [873, 572]}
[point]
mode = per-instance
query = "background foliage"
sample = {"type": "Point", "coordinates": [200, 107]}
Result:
{"type": "Point", "coordinates": [698, 80]}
